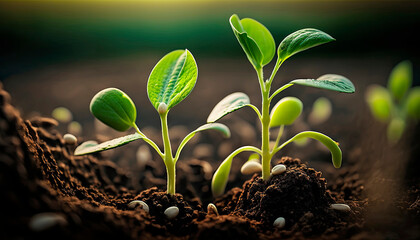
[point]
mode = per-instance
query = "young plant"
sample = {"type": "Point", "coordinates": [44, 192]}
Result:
{"type": "Point", "coordinates": [396, 104]}
{"type": "Point", "coordinates": [259, 46]}
{"type": "Point", "coordinates": [170, 82]}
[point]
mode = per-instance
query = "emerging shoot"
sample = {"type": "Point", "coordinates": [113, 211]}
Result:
{"type": "Point", "coordinates": [260, 48]}
{"type": "Point", "coordinates": [171, 81]}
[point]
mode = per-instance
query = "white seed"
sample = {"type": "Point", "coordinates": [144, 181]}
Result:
{"type": "Point", "coordinates": [171, 212]}
{"type": "Point", "coordinates": [341, 207]}
{"type": "Point", "coordinates": [211, 208]}
{"type": "Point", "coordinates": [280, 168]}
{"type": "Point", "coordinates": [142, 204]}
{"type": "Point", "coordinates": [251, 167]}
{"type": "Point", "coordinates": [69, 139]}
{"type": "Point", "coordinates": [280, 222]}
{"type": "Point", "coordinates": [44, 221]}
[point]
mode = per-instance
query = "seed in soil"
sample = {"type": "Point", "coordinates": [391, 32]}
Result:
{"type": "Point", "coordinates": [70, 139]}
{"type": "Point", "coordinates": [280, 222]}
{"type": "Point", "coordinates": [116, 109]}
{"type": "Point", "coordinates": [251, 167]}
{"type": "Point", "coordinates": [44, 221]}
{"type": "Point", "coordinates": [212, 209]}
{"type": "Point", "coordinates": [260, 48]}
{"type": "Point", "coordinates": [341, 207]}
{"type": "Point", "coordinates": [278, 169]}
{"type": "Point", "coordinates": [142, 204]}
{"type": "Point", "coordinates": [171, 212]}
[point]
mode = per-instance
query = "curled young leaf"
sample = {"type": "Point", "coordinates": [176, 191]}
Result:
{"type": "Point", "coordinates": [114, 108]}
{"type": "Point", "coordinates": [380, 102]}
{"type": "Point", "coordinates": [230, 103]}
{"type": "Point", "coordinates": [172, 79]}
{"type": "Point", "coordinates": [255, 39]}
{"type": "Point", "coordinates": [400, 79]}
{"type": "Point", "coordinates": [300, 41]}
{"type": "Point", "coordinates": [286, 111]}
{"type": "Point", "coordinates": [92, 146]}
{"type": "Point", "coordinates": [332, 82]}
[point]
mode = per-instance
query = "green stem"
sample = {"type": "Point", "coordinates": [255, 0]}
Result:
{"type": "Point", "coordinates": [149, 141]}
{"type": "Point", "coordinates": [168, 158]}
{"type": "Point", "coordinates": [265, 122]}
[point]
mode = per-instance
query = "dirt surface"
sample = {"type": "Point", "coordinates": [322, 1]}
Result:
{"type": "Point", "coordinates": [48, 192]}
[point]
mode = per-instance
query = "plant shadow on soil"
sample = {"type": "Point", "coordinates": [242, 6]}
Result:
{"type": "Point", "coordinates": [48, 192]}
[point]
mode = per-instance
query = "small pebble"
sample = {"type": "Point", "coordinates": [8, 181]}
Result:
{"type": "Point", "coordinates": [136, 203]}
{"type": "Point", "coordinates": [280, 222]}
{"type": "Point", "coordinates": [171, 212]}
{"type": "Point", "coordinates": [44, 221]}
{"type": "Point", "coordinates": [341, 207]}
{"type": "Point", "coordinates": [212, 209]}
{"type": "Point", "coordinates": [251, 167]}
{"type": "Point", "coordinates": [280, 168]}
{"type": "Point", "coordinates": [69, 139]}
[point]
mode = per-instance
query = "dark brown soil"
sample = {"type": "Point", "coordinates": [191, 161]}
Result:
{"type": "Point", "coordinates": [86, 197]}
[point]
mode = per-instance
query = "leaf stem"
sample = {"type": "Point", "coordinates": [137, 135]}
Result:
{"type": "Point", "coordinates": [149, 141]}
{"type": "Point", "coordinates": [280, 90]}
{"type": "Point", "coordinates": [255, 109]}
{"type": "Point", "coordinates": [168, 158]}
{"type": "Point", "coordinates": [278, 136]}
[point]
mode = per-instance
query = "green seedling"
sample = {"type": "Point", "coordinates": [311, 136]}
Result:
{"type": "Point", "coordinates": [396, 104]}
{"type": "Point", "coordinates": [170, 82]}
{"type": "Point", "coordinates": [259, 47]}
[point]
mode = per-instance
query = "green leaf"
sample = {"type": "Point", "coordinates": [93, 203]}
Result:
{"type": "Point", "coordinates": [255, 39]}
{"type": "Point", "coordinates": [229, 104]}
{"type": "Point", "coordinates": [395, 129]}
{"type": "Point", "coordinates": [412, 104]}
{"type": "Point", "coordinates": [114, 108]}
{"type": "Point", "coordinates": [321, 111]}
{"type": "Point", "coordinates": [400, 79]}
{"type": "Point", "coordinates": [379, 102]}
{"type": "Point", "coordinates": [300, 41]}
{"type": "Point", "coordinates": [172, 79]}
{"type": "Point", "coordinates": [332, 82]}
{"type": "Point", "coordinates": [286, 111]}
{"type": "Point", "coordinates": [92, 146]}
{"type": "Point", "coordinates": [327, 141]}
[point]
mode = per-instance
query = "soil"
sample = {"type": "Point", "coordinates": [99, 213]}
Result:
{"type": "Point", "coordinates": [47, 192]}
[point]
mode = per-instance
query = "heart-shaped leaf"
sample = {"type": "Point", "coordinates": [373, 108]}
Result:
{"type": "Point", "coordinates": [229, 104]}
{"type": "Point", "coordinates": [92, 147]}
{"type": "Point", "coordinates": [400, 79]}
{"type": "Point", "coordinates": [302, 40]}
{"type": "Point", "coordinates": [255, 39]}
{"type": "Point", "coordinates": [172, 79]}
{"type": "Point", "coordinates": [286, 111]}
{"type": "Point", "coordinates": [114, 108]}
{"type": "Point", "coordinates": [332, 82]}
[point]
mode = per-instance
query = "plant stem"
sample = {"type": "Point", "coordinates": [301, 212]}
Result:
{"type": "Point", "coordinates": [265, 122]}
{"type": "Point", "coordinates": [168, 158]}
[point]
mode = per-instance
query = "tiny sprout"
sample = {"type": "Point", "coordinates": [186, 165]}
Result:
{"type": "Point", "coordinates": [75, 128]}
{"type": "Point", "coordinates": [396, 104]}
{"type": "Point", "coordinates": [171, 212]}
{"type": "Point", "coordinates": [62, 114]}
{"type": "Point", "coordinates": [260, 48]}
{"type": "Point", "coordinates": [278, 169]}
{"type": "Point", "coordinates": [212, 209]}
{"type": "Point", "coordinates": [251, 167]}
{"type": "Point", "coordinates": [280, 222]}
{"type": "Point", "coordinates": [69, 139]}
{"type": "Point", "coordinates": [340, 207]}
{"type": "Point", "coordinates": [170, 82]}
{"type": "Point", "coordinates": [142, 204]}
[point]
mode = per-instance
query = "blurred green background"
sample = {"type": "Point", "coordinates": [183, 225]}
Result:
{"type": "Point", "coordinates": [39, 33]}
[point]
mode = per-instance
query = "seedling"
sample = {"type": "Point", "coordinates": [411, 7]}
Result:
{"type": "Point", "coordinates": [259, 47]}
{"type": "Point", "coordinates": [170, 82]}
{"type": "Point", "coordinates": [396, 104]}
